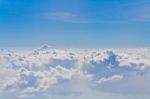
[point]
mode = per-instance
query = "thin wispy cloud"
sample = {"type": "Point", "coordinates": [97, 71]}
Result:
{"type": "Point", "coordinates": [142, 15]}
{"type": "Point", "coordinates": [68, 17]}
{"type": "Point", "coordinates": [135, 12]}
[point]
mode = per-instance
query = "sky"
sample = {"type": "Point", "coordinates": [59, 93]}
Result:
{"type": "Point", "coordinates": [75, 23]}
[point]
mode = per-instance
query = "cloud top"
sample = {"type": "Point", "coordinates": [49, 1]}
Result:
{"type": "Point", "coordinates": [45, 69]}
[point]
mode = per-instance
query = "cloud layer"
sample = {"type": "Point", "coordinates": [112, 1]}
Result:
{"type": "Point", "coordinates": [71, 73]}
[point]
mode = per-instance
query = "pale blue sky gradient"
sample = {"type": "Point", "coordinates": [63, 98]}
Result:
{"type": "Point", "coordinates": [75, 23]}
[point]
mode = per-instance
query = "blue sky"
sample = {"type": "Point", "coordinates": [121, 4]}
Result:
{"type": "Point", "coordinates": [75, 23]}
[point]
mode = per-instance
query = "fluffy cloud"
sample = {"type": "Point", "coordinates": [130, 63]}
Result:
{"type": "Point", "coordinates": [109, 79]}
{"type": "Point", "coordinates": [28, 73]}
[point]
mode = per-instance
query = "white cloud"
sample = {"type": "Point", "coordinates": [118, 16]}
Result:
{"type": "Point", "coordinates": [68, 17]}
{"type": "Point", "coordinates": [41, 70]}
{"type": "Point", "coordinates": [110, 79]}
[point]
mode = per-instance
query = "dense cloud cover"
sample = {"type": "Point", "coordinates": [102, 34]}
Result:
{"type": "Point", "coordinates": [75, 73]}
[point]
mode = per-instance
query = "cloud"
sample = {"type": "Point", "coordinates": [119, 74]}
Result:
{"type": "Point", "coordinates": [58, 71]}
{"type": "Point", "coordinates": [109, 79]}
{"type": "Point", "coordinates": [68, 17]}
{"type": "Point", "coordinates": [134, 14]}
{"type": "Point", "coordinates": [62, 16]}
